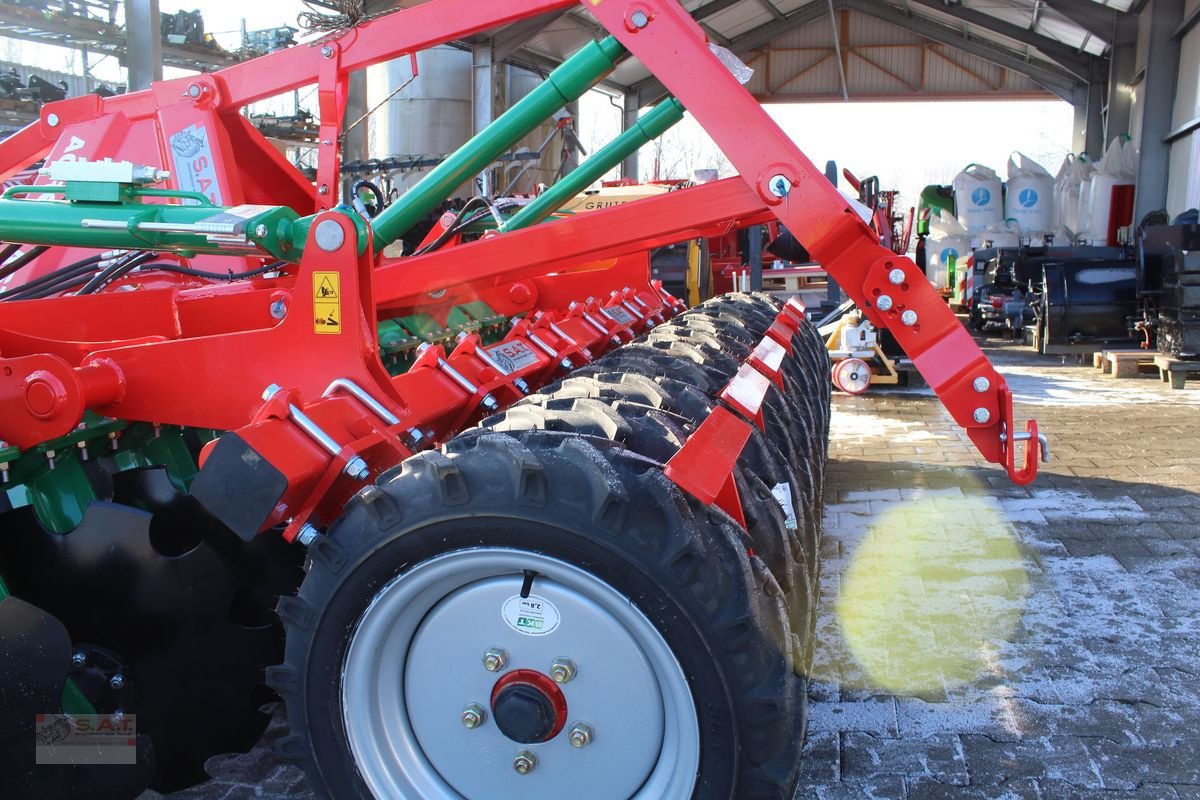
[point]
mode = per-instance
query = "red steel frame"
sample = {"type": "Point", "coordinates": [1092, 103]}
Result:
{"type": "Point", "coordinates": [202, 355]}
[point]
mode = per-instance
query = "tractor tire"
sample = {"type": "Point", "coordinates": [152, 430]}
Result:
{"type": "Point", "coordinates": [420, 644]}
{"type": "Point", "coordinates": [658, 436]}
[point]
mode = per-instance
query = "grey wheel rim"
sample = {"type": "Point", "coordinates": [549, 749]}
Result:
{"type": "Point", "coordinates": [415, 660]}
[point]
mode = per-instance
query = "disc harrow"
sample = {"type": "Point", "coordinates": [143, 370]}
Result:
{"type": "Point", "coordinates": [497, 517]}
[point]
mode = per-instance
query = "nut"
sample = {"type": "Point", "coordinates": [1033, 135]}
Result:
{"type": "Point", "coordinates": [981, 384]}
{"type": "Point", "coordinates": [473, 716]}
{"type": "Point", "coordinates": [909, 318]}
{"type": "Point", "coordinates": [525, 762]}
{"type": "Point", "coordinates": [982, 415]}
{"type": "Point", "coordinates": [562, 670]}
{"type": "Point", "coordinates": [896, 276]}
{"type": "Point", "coordinates": [495, 659]}
{"type": "Point", "coordinates": [580, 734]}
{"type": "Point", "coordinates": [883, 302]}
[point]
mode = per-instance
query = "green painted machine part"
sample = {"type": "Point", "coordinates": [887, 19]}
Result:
{"type": "Point", "coordinates": [399, 338]}
{"type": "Point", "coordinates": [53, 477]}
{"type": "Point", "coordinates": [655, 123]}
{"type": "Point", "coordinates": [565, 84]}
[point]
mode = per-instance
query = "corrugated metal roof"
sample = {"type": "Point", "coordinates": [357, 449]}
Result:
{"type": "Point", "coordinates": [1046, 36]}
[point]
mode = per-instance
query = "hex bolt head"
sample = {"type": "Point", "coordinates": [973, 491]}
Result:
{"type": "Point", "coordinates": [117, 681]}
{"type": "Point", "coordinates": [525, 762]}
{"type": "Point", "coordinates": [279, 309]}
{"type": "Point", "coordinates": [563, 670]}
{"type": "Point", "coordinates": [489, 402]}
{"type": "Point", "coordinates": [896, 276]}
{"type": "Point", "coordinates": [909, 318]}
{"type": "Point", "coordinates": [779, 185]}
{"type": "Point", "coordinates": [261, 230]}
{"type": "Point", "coordinates": [982, 415]}
{"type": "Point", "coordinates": [883, 302]}
{"type": "Point", "coordinates": [52, 120]}
{"type": "Point", "coordinates": [308, 534]}
{"type": "Point", "coordinates": [194, 90]}
{"type": "Point", "coordinates": [567, 365]}
{"type": "Point", "coordinates": [495, 659]}
{"type": "Point", "coordinates": [473, 716]}
{"type": "Point", "coordinates": [357, 468]}
{"type": "Point", "coordinates": [981, 384]}
{"type": "Point", "coordinates": [580, 734]}
{"type": "Point", "coordinates": [639, 19]}
{"type": "Point", "coordinates": [327, 51]}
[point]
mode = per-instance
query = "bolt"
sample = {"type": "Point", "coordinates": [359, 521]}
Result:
{"type": "Point", "coordinates": [114, 438]}
{"type": "Point", "coordinates": [78, 658]}
{"type": "Point", "coordinates": [52, 120]}
{"type": "Point", "coordinates": [982, 415]}
{"type": "Point", "coordinates": [117, 681]}
{"type": "Point", "coordinates": [779, 185]}
{"type": "Point", "coordinates": [883, 302]}
{"type": "Point", "coordinates": [308, 533]}
{"type": "Point", "coordinates": [194, 91]}
{"type": "Point", "coordinates": [473, 716]}
{"type": "Point", "coordinates": [896, 276]}
{"type": "Point", "coordinates": [489, 402]}
{"type": "Point", "coordinates": [525, 762]}
{"type": "Point", "coordinates": [357, 468]}
{"type": "Point", "coordinates": [118, 716]}
{"type": "Point", "coordinates": [414, 438]}
{"type": "Point", "coordinates": [981, 384]}
{"type": "Point", "coordinates": [580, 734]}
{"type": "Point", "coordinates": [50, 458]}
{"type": "Point", "coordinates": [327, 51]}
{"type": "Point", "coordinates": [567, 365]}
{"type": "Point", "coordinates": [261, 231]}
{"type": "Point", "coordinates": [639, 19]}
{"type": "Point", "coordinates": [562, 670]}
{"type": "Point", "coordinates": [323, 189]}
{"type": "Point", "coordinates": [279, 309]}
{"type": "Point", "coordinates": [909, 318]}
{"type": "Point", "coordinates": [495, 659]}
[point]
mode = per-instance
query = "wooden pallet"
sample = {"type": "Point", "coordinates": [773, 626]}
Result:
{"type": "Point", "coordinates": [1127, 363]}
{"type": "Point", "coordinates": [1174, 371]}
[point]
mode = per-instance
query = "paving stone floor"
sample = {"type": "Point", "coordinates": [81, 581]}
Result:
{"type": "Point", "coordinates": [979, 639]}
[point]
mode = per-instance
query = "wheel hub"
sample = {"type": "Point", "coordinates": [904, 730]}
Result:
{"type": "Point", "coordinates": [528, 707]}
{"type": "Point", "coordinates": [456, 632]}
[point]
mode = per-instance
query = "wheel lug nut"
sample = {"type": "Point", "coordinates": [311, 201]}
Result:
{"type": "Point", "coordinates": [117, 681]}
{"type": "Point", "coordinates": [562, 670]}
{"type": "Point", "coordinates": [495, 659]}
{"type": "Point", "coordinates": [525, 762]}
{"type": "Point", "coordinates": [580, 735]}
{"type": "Point", "coordinates": [79, 658]}
{"type": "Point", "coordinates": [473, 716]}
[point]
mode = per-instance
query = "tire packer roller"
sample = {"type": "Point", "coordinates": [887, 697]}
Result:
{"type": "Point", "coordinates": [500, 518]}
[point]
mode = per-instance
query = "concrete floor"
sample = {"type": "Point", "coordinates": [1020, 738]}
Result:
{"type": "Point", "coordinates": [980, 639]}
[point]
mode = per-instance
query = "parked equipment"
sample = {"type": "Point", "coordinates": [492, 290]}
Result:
{"type": "Point", "coordinates": [219, 400]}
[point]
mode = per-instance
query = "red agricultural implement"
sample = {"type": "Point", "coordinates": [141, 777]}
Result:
{"type": "Point", "coordinates": [496, 518]}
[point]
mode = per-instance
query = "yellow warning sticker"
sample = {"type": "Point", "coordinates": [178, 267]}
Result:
{"type": "Point", "coordinates": [327, 302]}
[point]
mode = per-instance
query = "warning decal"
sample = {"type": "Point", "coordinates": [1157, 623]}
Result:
{"type": "Point", "coordinates": [327, 302]}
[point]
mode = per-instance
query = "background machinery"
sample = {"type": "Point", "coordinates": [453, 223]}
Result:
{"type": "Point", "coordinates": [498, 517]}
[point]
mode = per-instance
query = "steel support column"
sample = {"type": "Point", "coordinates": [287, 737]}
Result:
{"type": "Point", "coordinates": [1158, 106]}
{"type": "Point", "coordinates": [143, 43]}
{"type": "Point", "coordinates": [629, 167]}
{"type": "Point", "coordinates": [1094, 133]}
{"type": "Point", "coordinates": [1079, 100]}
{"type": "Point", "coordinates": [483, 93]}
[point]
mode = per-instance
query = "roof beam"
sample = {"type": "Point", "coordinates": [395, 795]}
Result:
{"type": "Point", "coordinates": [715, 7]}
{"type": "Point", "coordinates": [510, 39]}
{"type": "Point", "coordinates": [1094, 18]}
{"type": "Point", "coordinates": [651, 89]}
{"type": "Point", "coordinates": [1062, 54]}
{"type": "Point", "coordinates": [771, 9]}
{"type": "Point", "coordinates": [1060, 83]}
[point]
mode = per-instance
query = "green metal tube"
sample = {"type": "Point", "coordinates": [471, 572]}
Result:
{"type": "Point", "coordinates": [566, 83]}
{"type": "Point", "coordinates": [656, 122]}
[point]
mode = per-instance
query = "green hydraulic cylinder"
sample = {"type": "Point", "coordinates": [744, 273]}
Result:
{"type": "Point", "coordinates": [565, 84]}
{"type": "Point", "coordinates": [655, 123]}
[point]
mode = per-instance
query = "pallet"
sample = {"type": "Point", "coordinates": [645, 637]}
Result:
{"type": "Point", "coordinates": [1127, 363]}
{"type": "Point", "coordinates": [1100, 358]}
{"type": "Point", "coordinates": [1175, 371]}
